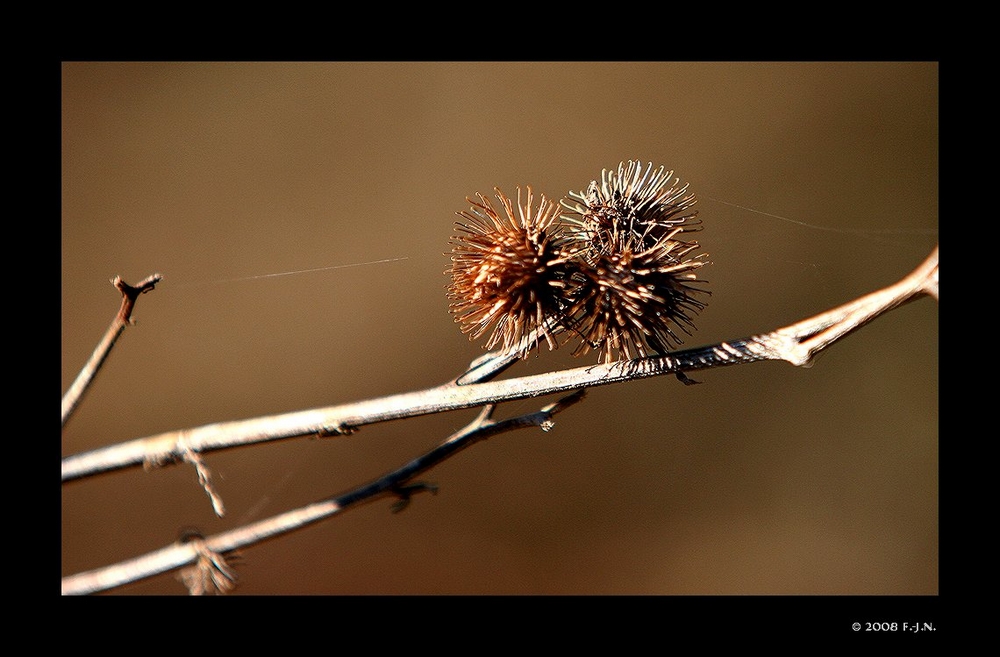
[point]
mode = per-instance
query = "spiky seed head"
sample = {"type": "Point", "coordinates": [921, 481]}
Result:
{"type": "Point", "coordinates": [632, 305]}
{"type": "Point", "coordinates": [619, 273]}
{"type": "Point", "coordinates": [508, 270]}
{"type": "Point", "coordinates": [631, 209]}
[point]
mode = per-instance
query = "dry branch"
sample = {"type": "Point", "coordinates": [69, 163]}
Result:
{"type": "Point", "coordinates": [209, 554]}
{"type": "Point", "coordinates": [206, 557]}
{"type": "Point", "coordinates": [797, 344]}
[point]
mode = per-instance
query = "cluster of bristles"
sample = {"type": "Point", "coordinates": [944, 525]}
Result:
{"type": "Point", "coordinates": [612, 270]}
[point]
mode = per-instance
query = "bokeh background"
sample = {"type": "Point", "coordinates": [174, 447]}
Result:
{"type": "Point", "coordinates": [765, 479]}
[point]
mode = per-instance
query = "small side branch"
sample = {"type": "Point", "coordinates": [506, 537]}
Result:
{"type": "Point", "coordinates": [800, 342]}
{"type": "Point", "coordinates": [124, 317]}
{"type": "Point", "coordinates": [207, 555]}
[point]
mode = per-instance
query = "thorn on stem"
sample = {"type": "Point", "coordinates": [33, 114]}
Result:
{"type": "Point", "coordinates": [405, 492]}
{"type": "Point", "coordinates": [685, 379]}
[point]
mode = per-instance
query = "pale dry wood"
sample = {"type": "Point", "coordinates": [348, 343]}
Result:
{"type": "Point", "coordinates": [208, 554]}
{"type": "Point", "coordinates": [124, 317]}
{"type": "Point", "coordinates": [796, 344]}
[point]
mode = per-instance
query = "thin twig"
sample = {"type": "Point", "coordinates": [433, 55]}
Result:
{"type": "Point", "coordinates": [208, 553]}
{"type": "Point", "coordinates": [797, 344]}
{"type": "Point", "coordinates": [124, 317]}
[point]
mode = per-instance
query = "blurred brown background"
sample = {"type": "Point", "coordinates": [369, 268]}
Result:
{"type": "Point", "coordinates": [765, 479]}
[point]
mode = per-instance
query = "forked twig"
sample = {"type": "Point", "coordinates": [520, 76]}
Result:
{"type": "Point", "coordinates": [124, 317]}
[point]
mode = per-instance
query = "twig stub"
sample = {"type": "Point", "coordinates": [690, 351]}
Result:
{"type": "Point", "coordinates": [131, 293]}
